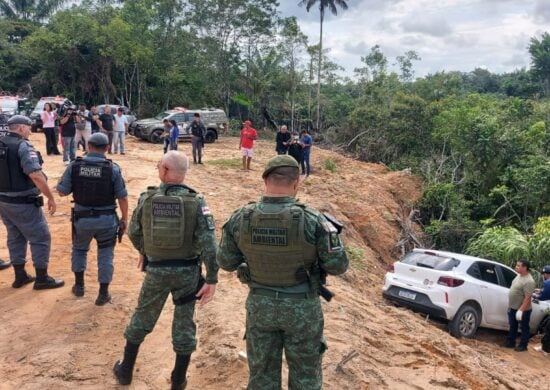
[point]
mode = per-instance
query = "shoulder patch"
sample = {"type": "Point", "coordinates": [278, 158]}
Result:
{"type": "Point", "coordinates": [206, 210]}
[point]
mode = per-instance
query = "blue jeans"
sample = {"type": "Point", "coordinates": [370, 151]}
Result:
{"type": "Point", "coordinates": [103, 229]}
{"type": "Point", "coordinates": [118, 139]}
{"type": "Point", "coordinates": [69, 149]}
{"type": "Point", "coordinates": [525, 331]}
{"type": "Point", "coordinates": [25, 223]}
{"type": "Point", "coordinates": [305, 164]}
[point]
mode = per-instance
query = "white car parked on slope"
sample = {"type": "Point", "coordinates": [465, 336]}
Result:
{"type": "Point", "coordinates": [468, 291]}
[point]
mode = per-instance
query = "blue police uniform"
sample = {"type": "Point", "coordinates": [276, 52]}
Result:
{"type": "Point", "coordinates": [97, 221]}
{"type": "Point", "coordinates": [20, 208]}
{"type": "Point", "coordinates": [544, 295]}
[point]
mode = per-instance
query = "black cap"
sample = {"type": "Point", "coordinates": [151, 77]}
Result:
{"type": "Point", "coordinates": [19, 120]}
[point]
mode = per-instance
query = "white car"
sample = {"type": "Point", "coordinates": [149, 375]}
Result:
{"type": "Point", "coordinates": [468, 291]}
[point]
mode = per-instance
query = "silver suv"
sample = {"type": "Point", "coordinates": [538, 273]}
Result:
{"type": "Point", "coordinates": [151, 129]}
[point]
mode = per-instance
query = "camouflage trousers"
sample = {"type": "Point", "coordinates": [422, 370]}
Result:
{"type": "Point", "coordinates": [292, 325]}
{"type": "Point", "coordinates": [157, 285]}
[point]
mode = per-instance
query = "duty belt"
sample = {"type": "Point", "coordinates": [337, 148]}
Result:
{"type": "Point", "coordinates": [36, 200]}
{"type": "Point", "coordinates": [190, 262]}
{"type": "Point", "coordinates": [265, 292]}
{"type": "Point", "coordinates": [92, 213]}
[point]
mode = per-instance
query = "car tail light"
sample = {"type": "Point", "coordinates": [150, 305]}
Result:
{"type": "Point", "coordinates": [450, 282]}
{"type": "Point", "coordinates": [391, 268]}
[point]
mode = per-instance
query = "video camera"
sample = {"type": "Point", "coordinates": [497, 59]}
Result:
{"type": "Point", "coordinates": [67, 108]}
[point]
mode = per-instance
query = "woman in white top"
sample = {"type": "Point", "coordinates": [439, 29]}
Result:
{"type": "Point", "coordinates": [48, 125]}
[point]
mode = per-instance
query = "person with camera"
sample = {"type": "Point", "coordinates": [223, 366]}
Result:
{"type": "Point", "coordinates": [21, 183]}
{"type": "Point", "coordinates": [84, 128]}
{"type": "Point", "coordinates": [69, 120]}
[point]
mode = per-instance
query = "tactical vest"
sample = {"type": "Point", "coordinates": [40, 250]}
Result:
{"type": "Point", "coordinates": [274, 245]}
{"type": "Point", "coordinates": [12, 177]}
{"type": "Point", "coordinates": [92, 183]}
{"type": "Point", "coordinates": [196, 129]}
{"type": "Point", "coordinates": [168, 223]}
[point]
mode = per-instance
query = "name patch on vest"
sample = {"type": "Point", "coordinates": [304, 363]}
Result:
{"type": "Point", "coordinates": [270, 236]}
{"type": "Point", "coordinates": [163, 209]}
{"type": "Point", "coordinates": [87, 171]}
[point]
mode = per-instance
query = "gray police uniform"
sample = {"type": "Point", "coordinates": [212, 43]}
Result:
{"type": "Point", "coordinates": [95, 183]}
{"type": "Point", "coordinates": [20, 203]}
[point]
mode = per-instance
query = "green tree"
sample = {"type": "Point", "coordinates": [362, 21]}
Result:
{"type": "Point", "coordinates": [35, 10]}
{"type": "Point", "coordinates": [540, 59]}
{"type": "Point", "coordinates": [323, 5]}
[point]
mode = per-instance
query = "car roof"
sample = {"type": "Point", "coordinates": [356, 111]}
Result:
{"type": "Point", "coordinates": [458, 256]}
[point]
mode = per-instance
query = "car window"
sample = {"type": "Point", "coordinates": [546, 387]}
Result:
{"type": "Point", "coordinates": [474, 272]}
{"type": "Point", "coordinates": [431, 261]}
{"type": "Point", "coordinates": [509, 277]}
{"type": "Point", "coordinates": [486, 272]}
{"type": "Point", "coordinates": [178, 117]}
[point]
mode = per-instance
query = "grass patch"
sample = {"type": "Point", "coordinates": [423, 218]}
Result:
{"type": "Point", "coordinates": [355, 257]}
{"type": "Point", "coordinates": [226, 162]}
{"type": "Point", "coordinates": [330, 165]}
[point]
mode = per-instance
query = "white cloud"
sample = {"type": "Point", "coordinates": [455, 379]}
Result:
{"type": "Point", "coordinates": [447, 34]}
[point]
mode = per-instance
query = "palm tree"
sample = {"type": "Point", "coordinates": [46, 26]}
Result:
{"type": "Point", "coordinates": [323, 4]}
{"type": "Point", "coordinates": [34, 10]}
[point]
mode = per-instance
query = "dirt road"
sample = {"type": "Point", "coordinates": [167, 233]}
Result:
{"type": "Point", "coordinates": [52, 340]}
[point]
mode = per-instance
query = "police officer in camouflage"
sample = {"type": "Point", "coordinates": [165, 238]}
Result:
{"type": "Point", "coordinates": [280, 247]}
{"type": "Point", "coordinates": [173, 230]}
{"type": "Point", "coordinates": [96, 183]}
{"type": "Point", "coordinates": [21, 182]}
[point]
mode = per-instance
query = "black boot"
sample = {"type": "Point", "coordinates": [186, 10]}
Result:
{"type": "Point", "coordinates": [179, 380]}
{"type": "Point", "coordinates": [21, 276]}
{"type": "Point", "coordinates": [124, 368]}
{"type": "Point", "coordinates": [78, 288]}
{"type": "Point", "coordinates": [44, 281]}
{"type": "Point", "coordinates": [103, 296]}
{"type": "Point", "coordinates": [200, 159]}
{"type": "Point", "coordinates": [194, 160]}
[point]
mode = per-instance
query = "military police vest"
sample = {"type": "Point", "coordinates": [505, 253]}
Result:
{"type": "Point", "coordinates": [92, 183]}
{"type": "Point", "coordinates": [274, 245]}
{"type": "Point", "coordinates": [12, 177]}
{"type": "Point", "coordinates": [168, 223]}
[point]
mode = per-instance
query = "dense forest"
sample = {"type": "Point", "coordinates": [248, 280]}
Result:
{"type": "Point", "coordinates": [480, 140]}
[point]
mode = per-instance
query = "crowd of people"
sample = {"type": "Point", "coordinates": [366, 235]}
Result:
{"type": "Point", "coordinates": [72, 128]}
{"type": "Point", "coordinates": [281, 258]}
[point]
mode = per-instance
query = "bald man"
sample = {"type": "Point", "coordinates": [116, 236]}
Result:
{"type": "Point", "coordinates": [173, 230]}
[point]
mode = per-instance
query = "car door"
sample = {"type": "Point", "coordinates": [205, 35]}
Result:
{"type": "Point", "coordinates": [494, 296]}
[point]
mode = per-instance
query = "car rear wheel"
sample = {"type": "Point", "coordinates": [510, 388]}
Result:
{"type": "Point", "coordinates": [210, 136]}
{"type": "Point", "coordinates": [465, 322]}
{"type": "Point", "coordinates": [155, 136]}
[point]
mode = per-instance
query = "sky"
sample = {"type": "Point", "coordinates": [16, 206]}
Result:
{"type": "Point", "coordinates": [447, 34]}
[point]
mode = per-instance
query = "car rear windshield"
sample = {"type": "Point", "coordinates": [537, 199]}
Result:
{"type": "Point", "coordinates": [439, 263]}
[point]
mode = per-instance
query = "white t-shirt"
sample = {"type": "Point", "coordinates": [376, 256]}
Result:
{"type": "Point", "coordinates": [119, 122]}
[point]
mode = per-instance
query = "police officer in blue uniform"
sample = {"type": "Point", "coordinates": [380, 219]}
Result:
{"type": "Point", "coordinates": [21, 182]}
{"type": "Point", "coordinates": [96, 184]}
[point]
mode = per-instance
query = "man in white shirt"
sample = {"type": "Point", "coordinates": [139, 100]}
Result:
{"type": "Point", "coordinates": [121, 128]}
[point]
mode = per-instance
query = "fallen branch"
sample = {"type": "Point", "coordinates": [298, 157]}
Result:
{"type": "Point", "coordinates": [345, 359]}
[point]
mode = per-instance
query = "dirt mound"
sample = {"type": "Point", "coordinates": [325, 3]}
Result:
{"type": "Point", "coordinates": [51, 340]}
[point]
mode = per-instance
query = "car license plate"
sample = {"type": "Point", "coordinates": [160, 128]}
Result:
{"type": "Point", "coordinates": [407, 294]}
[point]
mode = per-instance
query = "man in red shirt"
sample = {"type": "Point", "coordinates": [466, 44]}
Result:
{"type": "Point", "coordinates": [248, 135]}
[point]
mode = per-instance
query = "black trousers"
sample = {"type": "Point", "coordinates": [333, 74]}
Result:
{"type": "Point", "coordinates": [51, 142]}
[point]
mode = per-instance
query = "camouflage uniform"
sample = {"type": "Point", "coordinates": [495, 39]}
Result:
{"type": "Point", "coordinates": [289, 317]}
{"type": "Point", "coordinates": [181, 281]}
